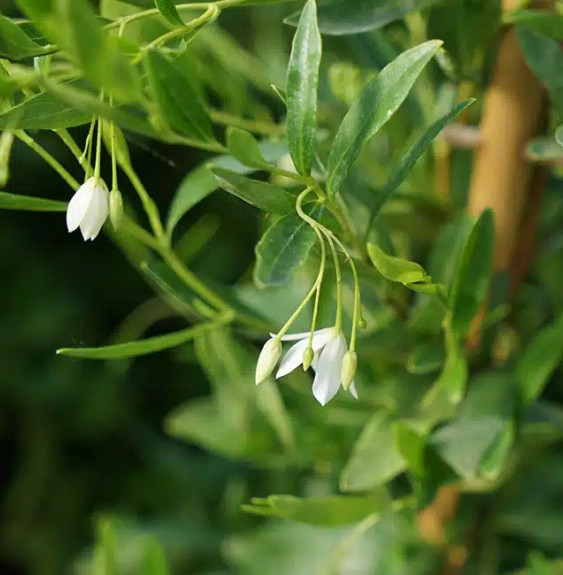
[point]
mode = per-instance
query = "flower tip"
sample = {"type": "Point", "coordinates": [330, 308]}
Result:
{"type": "Point", "coordinates": [268, 359]}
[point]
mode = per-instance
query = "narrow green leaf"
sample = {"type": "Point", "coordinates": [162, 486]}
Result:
{"type": "Point", "coordinates": [426, 358]}
{"type": "Point", "coordinates": [44, 111]}
{"type": "Point", "coordinates": [177, 95]}
{"type": "Point", "coordinates": [154, 559]}
{"type": "Point", "coordinates": [545, 58]}
{"type": "Point", "coordinates": [403, 167]}
{"type": "Point", "coordinates": [559, 134]}
{"type": "Point", "coordinates": [243, 147]}
{"type": "Point", "coordinates": [454, 374]}
{"type": "Point", "coordinates": [29, 203]}
{"type": "Point", "coordinates": [199, 183]}
{"type": "Point", "coordinates": [374, 107]}
{"type": "Point", "coordinates": [328, 511]}
{"type": "Point", "coordinates": [539, 360]}
{"type": "Point", "coordinates": [544, 22]}
{"type": "Point", "coordinates": [544, 149]}
{"type": "Point", "coordinates": [141, 347]}
{"type": "Point", "coordinates": [375, 458]}
{"type": "Point", "coordinates": [264, 196]}
{"type": "Point", "coordinates": [494, 460]}
{"type": "Point", "coordinates": [284, 248]}
{"type": "Point", "coordinates": [302, 82]}
{"type": "Point", "coordinates": [168, 10]}
{"type": "Point", "coordinates": [342, 17]}
{"type": "Point", "coordinates": [15, 44]}
{"type": "Point", "coordinates": [396, 269]}
{"type": "Point", "coordinates": [473, 274]}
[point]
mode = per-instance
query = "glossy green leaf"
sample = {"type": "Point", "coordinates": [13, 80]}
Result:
{"type": "Point", "coordinates": [544, 149]}
{"type": "Point", "coordinates": [406, 162]}
{"type": "Point", "coordinates": [397, 269]}
{"type": "Point", "coordinates": [411, 444]}
{"type": "Point", "coordinates": [545, 58]}
{"type": "Point", "coordinates": [495, 458]}
{"type": "Point", "coordinates": [154, 559]}
{"type": "Point", "coordinates": [329, 511]}
{"type": "Point", "coordinates": [30, 203]}
{"type": "Point", "coordinates": [244, 147]}
{"type": "Point", "coordinates": [283, 248]}
{"type": "Point", "coordinates": [425, 358]}
{"type": "Point", "coordinates": [15, 44]}
{"type": "Point", "coordinates": [559, 134]}
{"type": "Point", "coordinates": [177, 95]}
{"type": "Point", "coordinates": [137, 348]}
{"type": "Point", "coordinates": [302, 82]}
{"type": "Point", "coordinates": [473, 274]}
{"type": "Point", "coordinates": [342, 17]}
{"type": "Point", "coordinates": [200, 182]}
{"type": "Point", "coordinates": [374, 107]}
{"type": "Point", "coordinates": [374, 459]}
{"type": "Point", "coordinates": [544, 22]}
{"type": "Point", "coordinates": [540, 359]}
{"type": "Point", "coordinates": [44, 111]}
{"type": "Point", "coordinates": [168, 10]}
{"type": "Point", "coordinates": [264, 196]}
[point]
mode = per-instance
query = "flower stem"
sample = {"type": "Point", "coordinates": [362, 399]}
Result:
{"type": "Point", "coordinates": [97, 165]}
{"type": "Point", "coordinates": [41, 151]}
{"type": "Point", "coordinates": [337, 270]}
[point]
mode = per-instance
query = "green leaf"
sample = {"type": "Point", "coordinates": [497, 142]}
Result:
{"type": "Point", "coordinates": [29, 203]}
{"type": "Point", "coordinates": [15, 44]}
{"type": "Point", "coordinates": [328, 511]}
{"type": "Point", "coordinates": [141, 347]}
{"type": "Point", "coordinates": [243, 147]}
{"type": "Point", "coordinates": [495, 458]}
{"type": "Point", "coordinates": [154, 559]}
{"type": "Point", "coordinates": [264, 196]}
{"type": "Point", "coordinates": [540, 359]}
{"type": "Point", "coordinates": [559, 134]}
{"type": "Point", "coordinates": [284, 248]}
{"type": "Point", "coordinates": [397, 269]}
{"type": "Point", "coordinates": [545, 58]}
{"type": "Point", "coordinates": [200, 182]}
{"type": "Point", "coordinates": [302, 82]}
{"type": "Point", "coordinates": [411, 444]}
{"type": "Point", "coordinates": [374, 107]}
{"type": "Point", "coordinates": [44, 111]}
{"type": "Point", "coordinates": [425, 358]}
{"type": "Point", "coordinates": [375, 458]}
{"type": "Point", "coordinates": [471, 281]}
{"type": "Point", "coordinates": [544, 149]}
{"type": "Point", "coordinates": [168, 10]}
{"type": "Point", "coordinates": [177, 95]}
{"type": "Point", "coordinates": [403, 167]}
{"type": "Point", "coordinates": [544, 22]}
{"type": "Point", "coordinates": [342, 17]}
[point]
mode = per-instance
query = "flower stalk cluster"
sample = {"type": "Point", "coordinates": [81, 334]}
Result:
{"type": "Point", "coordinates": [325, 350]}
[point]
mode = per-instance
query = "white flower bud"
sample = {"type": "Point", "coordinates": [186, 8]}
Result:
{"type": "Point", "coordinates": [115, 208]}
{"type": "Point", "coordinates": [88, 208]}
{"type": "Point", "coordinates": [349, 365]}
{"type": "Point", "coordinates": [268, 359]}
{"type": "Point", "coordinates": [308, 357]}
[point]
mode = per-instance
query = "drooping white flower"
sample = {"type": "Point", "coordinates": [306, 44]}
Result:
{"type": "Point", "coordinates": [268, 359]}
{"type": "Point", "coordinates": [88, 208]}
{"type": "Point", "coordinates": [329, 346]}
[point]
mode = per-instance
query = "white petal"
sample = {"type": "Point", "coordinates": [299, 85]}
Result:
{"type": "Point", "coordinates": [97, 213]}
{"type": "Point", "coordinates": [78, 205]}
{"type": "Point", "coordinates": [315, 361]}
{"type": "Point", "coordinates": [296, 336]}
{"type": "Point", "coordinates": [294, 357]}
{"type": "Point", "coordinates": [352, 390]}
{"type": "Point", "coordinates": [327, 379]}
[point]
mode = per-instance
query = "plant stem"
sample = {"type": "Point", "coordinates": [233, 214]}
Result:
{"type": "Point", "coordinates": [255, 126]}
{"type": "Point", "coordinates": [39, 150]}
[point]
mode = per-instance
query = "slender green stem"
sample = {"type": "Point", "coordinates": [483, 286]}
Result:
{"type": "Point", "coordinates": [319, 286]}
{"type": "Point", "coordinates": [41, 151]}
{"type": "Point", "coordinates": [306, 180]}
{"type": "Point", "coordinates": [148, 204]}
{"type": "Point", "coordinates": [98, 163]}
{"type": "Point", "coordinates": [114, 185]}
{"type": "Point", "coordinates": [86, 157]}
{"type": "Point", "coordinates": [268, 128]}
{"type": "Point", "coordinates": [140, 234]}
{"type": "Point", "coordinates": [337, 270]}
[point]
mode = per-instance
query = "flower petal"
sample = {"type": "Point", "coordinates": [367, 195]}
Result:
{"type": "Point", "coordinates": [294, 357]}
{"type": "Point", "coordinates": [97, 213]}
{"type": "Point", "coordinates": [328, 377]}
{"type": "Point", "coordinates": [79, 204]}
{"type": "Point", "coordinates": [297, 336]}
{"type": "Point", "coordinates": [352, 390]}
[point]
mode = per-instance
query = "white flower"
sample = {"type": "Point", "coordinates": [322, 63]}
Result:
{"type": "Point", "coordinates": [268, 359]}
{"type": "Point", "coordinates": [88, 208]}
{"type": "Point", "coordinates": [329, 346]}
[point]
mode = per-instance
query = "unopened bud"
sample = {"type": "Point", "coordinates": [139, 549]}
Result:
{"type": "Point", "coordinates": [115, 208]}
{"type": "Point", "coordinates": [362, 323]}
{"type": "Point", "coordinates": [349, 365]}
{"type": "Point", "coordinates": [268, 359]}
{"type": "Point", "coordinates": [308, 357]}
